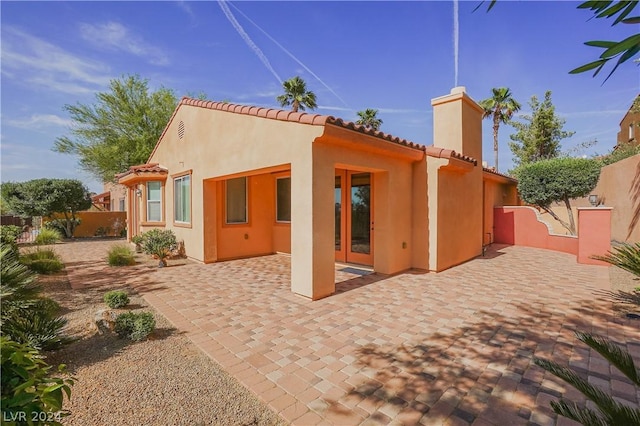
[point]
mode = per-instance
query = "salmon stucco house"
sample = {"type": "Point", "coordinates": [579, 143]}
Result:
{"type": "Point", "coordinates": [235, 181]}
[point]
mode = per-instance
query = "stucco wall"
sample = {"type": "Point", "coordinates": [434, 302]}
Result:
{"type": "Point", "coordinates": [94, 223]}
{"type": "Point", "coordinates": [497, 192]}
{"type": "Point", "coordinates": [392, 200]}
{"type": "Point", "coordinates": [456, 232]}
{"type": "Point", "coordinates": [618, 187]}
{"type": "Point", "coordinates": [522, 226]}
{"type": "Point", "coordinates": [213, 147]}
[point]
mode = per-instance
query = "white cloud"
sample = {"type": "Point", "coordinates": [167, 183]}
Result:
{"type": "Point", "coordinates": [115, 36]}
{"type": "Point", "coordinates": [39, 121]}
{"type": "Point", "coordinates": [41, 64]}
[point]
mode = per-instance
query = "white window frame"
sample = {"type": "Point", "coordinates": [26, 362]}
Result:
{"type": "Point", "coordinates": [175, 199]}
{"type": "Point", "coordinates": [148, 201]}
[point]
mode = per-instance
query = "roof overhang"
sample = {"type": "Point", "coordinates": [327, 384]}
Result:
{"type": "Point", "coordinates": [489, 174]}
{"type": "Point", "coordinates": [339, 135]}
{"type": "Point", "coordinates": [142, 173]}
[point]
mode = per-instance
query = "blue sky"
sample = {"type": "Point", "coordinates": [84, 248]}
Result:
{"type": "Point", "coordinates": [392, 56]}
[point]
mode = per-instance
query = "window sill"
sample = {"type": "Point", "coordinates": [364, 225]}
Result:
{"type": "Point", "coordinates": [182, 224]}
{"type": "Point", "coordinates": [153, 224]}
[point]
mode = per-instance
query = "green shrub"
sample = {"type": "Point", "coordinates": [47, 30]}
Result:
{"type": "Point", "coordinates": [159, 243]}
{"type": "Point", "coordinates": [48, 236]}
{"type": "Point", "coordinates": [135, 326]}
{"type": "Point", "coordinates": [9, 237]}
{"type": "Point", "coordinates": [26, 385]}
{"type": "Point", "coordinates": [42, 261]}
{"type": "Point", "coordinates": [60, 225]}
{"type": "Point", "coordinates": [116, 299]}
{"type": "Point", "coordinates": [121, 255]}
{"type": "Point", "coordinates": [37, 328]}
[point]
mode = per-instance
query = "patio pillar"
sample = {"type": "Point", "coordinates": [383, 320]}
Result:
{"type": "Point", "coordinates": [594, 234]}
{"type": "Point", "coordinates": [312, 227]}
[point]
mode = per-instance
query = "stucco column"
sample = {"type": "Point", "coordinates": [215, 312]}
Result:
{"type": "Point", "coordinates": [594, 233]}
{"type": "Point", "coordinates": [312, 227]}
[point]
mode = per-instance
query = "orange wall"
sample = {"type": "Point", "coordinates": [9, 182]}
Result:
{"type": "Point", "coordinates": [496, 193]}
{"type": "Point", "coordinates": [90, 221]}
{"type": "Point", "coordinates": [255, 237]}
{"type": "Point", "coordinates": [594, 234]}
{"type": "Point", "coordinates": [455, 186]}
{"type": "Point", "coordinates": [522, 226]}
{"type": "Point", "coordinates": [217, 144]}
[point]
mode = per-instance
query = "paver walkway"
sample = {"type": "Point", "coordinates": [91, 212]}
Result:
{"type": "Point", "coordinates": [449, 348]}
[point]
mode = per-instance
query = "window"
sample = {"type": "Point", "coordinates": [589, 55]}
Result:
{"type": "Point", "coordinates": [182, 199]}
{"type": "Point", "coordinates": [122, 208]}
{"type": "Point", "coordinates": [236, 197]}
{"type": "Point", "coordinates": [630, 131]}
{"type": "Point", "coordinates": [283, 199]}
{"type": "Point", "coordinates": [154, 201]}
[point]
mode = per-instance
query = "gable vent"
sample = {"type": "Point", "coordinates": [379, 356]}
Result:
{"type": "Point", "coordinates": [181, 130]}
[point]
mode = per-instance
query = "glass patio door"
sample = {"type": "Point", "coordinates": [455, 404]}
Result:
{"type": "Point", "coordinates": [353, 217]}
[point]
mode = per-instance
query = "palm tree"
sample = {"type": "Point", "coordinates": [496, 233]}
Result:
{"type": "Point", "coordinates": [369, 118]}
{"type": "Point", "coordinates": [297, 95]}
{"type": "Point", "coordinates": [501, 107]}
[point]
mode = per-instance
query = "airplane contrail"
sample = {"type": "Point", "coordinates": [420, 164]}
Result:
{"type": "Point", "coordinates": [291, 55]}
{"type": "Point", "coordinates": [247, 39]}
{"type": "Point", "coordinates": [456, 38]}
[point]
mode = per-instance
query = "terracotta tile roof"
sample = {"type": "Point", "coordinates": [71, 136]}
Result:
{"type": "Point", "coordinates": [434, 151]}
{"type": "Point", "coordinates": [98, 197]}
{"type": "Point", "coordinates": [143, 168]}
{"type": "Point", "coordinates": [312, 119]}
{"type": "Point", "coordinates": [493, 171]}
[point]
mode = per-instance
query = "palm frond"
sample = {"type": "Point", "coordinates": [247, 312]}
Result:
{"type": "Point", "coordinates": [614, 354]}
{"type": "Point", "coordinates": [585, 416]}
{"type": "Point", "coordinates": [611, 411]}
{"type": "Point", "coordinates": [604, 402]}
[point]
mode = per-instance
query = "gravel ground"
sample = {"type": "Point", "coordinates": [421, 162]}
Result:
{"type": "Point", "coordinates": [164, 380]}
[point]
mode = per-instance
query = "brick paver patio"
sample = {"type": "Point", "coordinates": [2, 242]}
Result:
{"type": "Point", "coordinates": [449, 348]}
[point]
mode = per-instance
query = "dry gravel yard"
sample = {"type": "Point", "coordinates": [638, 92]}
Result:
{"type": "Point", "coordinates": [165, 380]}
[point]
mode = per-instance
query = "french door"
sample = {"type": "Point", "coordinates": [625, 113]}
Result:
{"type": "Point", "coordinates": [354, 217]}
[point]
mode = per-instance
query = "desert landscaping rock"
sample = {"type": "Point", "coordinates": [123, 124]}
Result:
{"type": "Point", "coordinates": [164, 380]}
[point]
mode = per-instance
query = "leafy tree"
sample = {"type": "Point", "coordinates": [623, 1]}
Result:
{"type": "Point", "coordinates": [44, 197]}
{"type": "Point", "coordinates": [297, 95]}
{"type": "Point", "coordinates": [623, 50]}
{"type": "Point", "coordinates": [369, 118]}
{"type": "Point", "coordinates": [120, 129]}
{"type": "Point", "coordinates": [558, 179]}
{"type": "Point", "coordinates": [500, 107]}
{"type": "Point", "coordinates": [538, 138]}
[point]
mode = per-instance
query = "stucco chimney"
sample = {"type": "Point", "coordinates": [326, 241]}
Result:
{"type": "Point", "coordinates": [457, 123]}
